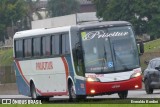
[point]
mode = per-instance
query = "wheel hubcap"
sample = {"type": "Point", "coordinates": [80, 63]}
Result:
{"type": "Point", "coordinates": [34, 95]}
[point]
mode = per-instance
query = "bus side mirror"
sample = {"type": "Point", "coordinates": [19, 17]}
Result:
{"type": "Point", "coordinates": [141, 47]}
{"type": "Point", "coordinates": [79, 52]}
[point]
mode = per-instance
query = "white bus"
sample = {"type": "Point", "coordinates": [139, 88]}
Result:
{"type": "Point", "coordinates": [79, 61]}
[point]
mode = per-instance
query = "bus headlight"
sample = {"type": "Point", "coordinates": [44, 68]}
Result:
{"type": "Point", "coordinates": [92, 79]}
{"type": "Point", "coordinates": [136, 74]}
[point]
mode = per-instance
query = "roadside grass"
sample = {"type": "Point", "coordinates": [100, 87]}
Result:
{"type": "Point", "coordinates": [86, 105]}
{"type": "Point", "coordinates": [152, 46]}
{"type": "Point", "coordinates": [151, 50]}
{"type": "Point", "coordinates": [6, 57]}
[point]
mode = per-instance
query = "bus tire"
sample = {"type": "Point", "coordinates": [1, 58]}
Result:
{"type": "Point", "coordinates": [33, 92]}
{"type": "Point", "coordinates": [123, 94]}
{"type": "Point", "coordinates": [72, 94]}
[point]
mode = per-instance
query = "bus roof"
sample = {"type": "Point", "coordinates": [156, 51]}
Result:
{"type": "Point", "coordinates": [44, 31]}
{"type": "Point", "coordinates": [41, 31]}
{"type": "Point", "coordinates": [104, 24]}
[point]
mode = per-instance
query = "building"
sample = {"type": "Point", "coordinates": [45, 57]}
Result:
{"type": "Point", "coordinates": [85, 6]}
{"type": "Point", "coordinates": [67, 20]}
{"type": "Point", "coordinates": [87, 12]}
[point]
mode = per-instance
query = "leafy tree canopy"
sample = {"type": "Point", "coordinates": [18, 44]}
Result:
{"type": "Point", "coordinates": [11, 11]}
{"type": "Point", "coordinates": [143, 14]}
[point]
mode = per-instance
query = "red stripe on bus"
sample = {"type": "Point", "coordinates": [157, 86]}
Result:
{"type": "Point", "coordinates": [20, 70]}
{"type": "Point", "coordinates": [66, 68]}
{"type": "Point", "coordinates": [51, 93]}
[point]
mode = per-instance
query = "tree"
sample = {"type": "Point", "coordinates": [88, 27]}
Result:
{"type": "Point", "coordinates": [62, 7]}
{"type": "Point", "coordinates": [32, 7]}
{"type": "Point", "coordinates": [143, 14]}
{"type": "Point", "coordinates": [17, 13]}
{"type": "Point", "coordinates": [11, 11]}
{"type": "Point", "coordinates": [100, 4]}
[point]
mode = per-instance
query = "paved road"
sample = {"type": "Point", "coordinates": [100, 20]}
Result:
{"type": "Point", "coordinates": [12, 92]}
{"type": "Point", "coordinates": [131, 94]}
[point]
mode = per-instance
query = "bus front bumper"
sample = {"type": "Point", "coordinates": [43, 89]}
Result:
{"type": "Point", "coordinates": [99, 88]}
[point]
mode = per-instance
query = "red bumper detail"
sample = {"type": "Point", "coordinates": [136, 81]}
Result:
{"type": "Point", "coordinates": [109, 87]}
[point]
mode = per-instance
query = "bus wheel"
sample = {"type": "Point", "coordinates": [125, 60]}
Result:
{"type": "Point", "coordinates": [123, 94]}
{"type": "Point", "coordinates": [72, 94]}
{"type": "Point", "coordinates": [33, 92]}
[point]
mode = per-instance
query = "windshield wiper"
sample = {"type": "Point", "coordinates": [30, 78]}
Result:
{"type": "Point", "coordinates": [105, 53]}
{"type": "Point", "coordinates": [104, 59]}
{"type": "Point", "coordinates": [114, 53]}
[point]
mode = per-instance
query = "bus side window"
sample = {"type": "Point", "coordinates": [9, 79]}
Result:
{"type": "Point", "coordinates": [28, 47]}
{"type": "Point", "coordinates": [55, 45]}
{"type": "Point", "coordinates": [43, 45]}
{"type": "Point", "coordinates": [65, 44]}
{"type": "Point", "coordinates": [36, 47]}
{"type": "Point", "coordinates": [46, 45]}
{"type": "Point", "coordinates": [19, 48]}
{"type": "Point", "coordinates": [16, 48]}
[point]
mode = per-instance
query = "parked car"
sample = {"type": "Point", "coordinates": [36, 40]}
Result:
{"type": "Point", "coordinates": [152, 75]}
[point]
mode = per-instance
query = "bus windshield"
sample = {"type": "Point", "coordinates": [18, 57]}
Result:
{"type": "Point", "coordinates": [110, 49]}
